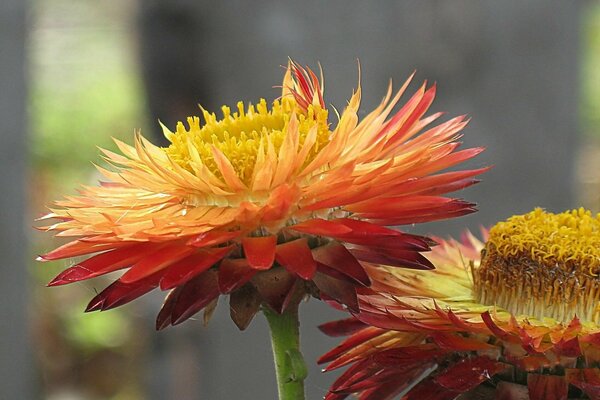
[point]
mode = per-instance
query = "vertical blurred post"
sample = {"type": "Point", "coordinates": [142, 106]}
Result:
{"type": "Point", "coordinates": [15, 363]}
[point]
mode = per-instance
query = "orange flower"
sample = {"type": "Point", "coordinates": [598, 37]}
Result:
{"type": "Point", "coordinates": [265, 204]}
{"type": "Point", "coordinates": [525, 305]}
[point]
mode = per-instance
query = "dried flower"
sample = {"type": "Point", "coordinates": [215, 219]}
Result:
{"type": "Point", "coordinates": [265, 204]}
{"type": "Point", "coordinates": [521, 309]}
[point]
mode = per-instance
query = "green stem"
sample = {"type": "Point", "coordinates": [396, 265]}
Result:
{"type": "Point", "coordinates": [289, 365]}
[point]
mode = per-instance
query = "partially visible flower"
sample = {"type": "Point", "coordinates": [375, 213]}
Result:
{"type": "Point", "coordinates": [526, 311]}
{"type": "Point", "coordinates": [265, 204]}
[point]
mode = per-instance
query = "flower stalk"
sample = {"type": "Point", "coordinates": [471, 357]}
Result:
{"type": "Point", "coordinates": [290, 368]}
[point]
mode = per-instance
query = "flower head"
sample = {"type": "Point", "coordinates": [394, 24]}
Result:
{"type": "Point", "coordinates": [524, 305]}
{"type": "Point", "coordinates": [266, 203]}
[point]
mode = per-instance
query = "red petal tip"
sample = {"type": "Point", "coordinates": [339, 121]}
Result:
{"type": "Point", "coordinates": [94, 305]}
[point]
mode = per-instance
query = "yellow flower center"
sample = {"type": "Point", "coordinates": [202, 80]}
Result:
{"type": "Point", "coordinates": [239, 135]}
{"type": "Point", "coordinates": [543, 265]}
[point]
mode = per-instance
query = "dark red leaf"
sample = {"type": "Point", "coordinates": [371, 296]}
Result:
{"type": "Point", "coordinates": [547, 387]}
{"type": "Point", "coordinates": [274, 287]}
{"type": "Point", "coordinates": [194, 296]}
{"type": "Point", "coordinates": [234, 273]}
{"type": "Point", "coordinates": [369, 234]}
{"type": "Point", "coordinates": [468, 373]}
{"type": "Point", "coordinates": [119, 293]}
{"type": "Point", "coordinates": [342, 327]}
{"type": "Point", "coordinates": [391, 257]}
{"type": "Point", "coordinates": [457, 209]}
{"type": "Point", "coordinates": [244, 303]}
{"type": "Point", "coordinates": [296, 257]}
{"type": "Point", "coordinates": [163, 319]}
{"type": "Point", "coordinates": [337, 257]}
{"type": "Point", "coordinates": [186, 269]}
{"type": "Point", "coordinates": [341, 291]}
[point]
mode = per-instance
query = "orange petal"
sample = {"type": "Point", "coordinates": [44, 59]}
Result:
{"type": "Point", "coordinates": [260, 251]}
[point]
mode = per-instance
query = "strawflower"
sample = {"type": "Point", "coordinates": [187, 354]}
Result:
{"type": "Point", "coordinates": [266, 204]}
{"type": "Point", "coordinates": [516, 318]}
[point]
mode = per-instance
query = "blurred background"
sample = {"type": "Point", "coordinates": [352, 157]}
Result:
{"type": "Point", "coordinates": [75, 73]}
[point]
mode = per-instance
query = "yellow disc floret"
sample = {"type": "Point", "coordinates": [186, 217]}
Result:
{"type": "Point", "coordinates": [239, 135]}
{"type": "Point", "coordinates": [544, 265]}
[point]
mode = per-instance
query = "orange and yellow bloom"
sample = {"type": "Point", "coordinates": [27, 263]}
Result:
{"type": "Point", "coordinates": [523, 308]}
{"type": "Point", "coordinates": [265, 203]}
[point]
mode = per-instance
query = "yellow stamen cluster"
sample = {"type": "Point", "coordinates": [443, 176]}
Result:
{"type": "Point", "coordinates": [543, 265]}
{"type": "Point", "coordinates": [240, 135]}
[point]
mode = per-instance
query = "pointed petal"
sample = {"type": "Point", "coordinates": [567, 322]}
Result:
{"type": "Point", "coordinates": [227, 170]}
{"type": "Point", "coordinates": [163, 319]}
{"type": "Point", "coordinates": [103, 263]}
{"type": "Point", "coordinates": [342, 327]}
{"type": "Point", "coordinates": [350, 343]}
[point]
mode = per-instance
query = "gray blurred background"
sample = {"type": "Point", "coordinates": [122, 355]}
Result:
{"type": "Point", "coordinates": [74, 73]}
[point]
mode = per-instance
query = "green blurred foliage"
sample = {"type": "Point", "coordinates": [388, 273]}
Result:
{"type": "Point", "coordinates": [96, 331]}
{"type": "Point", "coordinates": [84, 90]}
{"type": "Point", "coordinates": [85, 87]}
{"type": "Point", "coordinates": [590, 77]}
